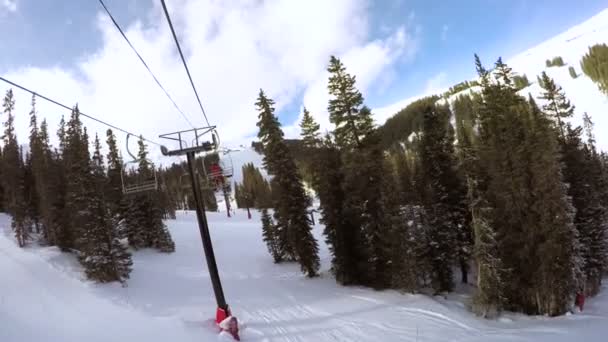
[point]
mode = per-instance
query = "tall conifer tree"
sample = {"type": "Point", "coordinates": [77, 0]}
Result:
{"type": "Point", "coordinates": [295, 232]}
{"type": "Point", "coordinates": [444, 200]}
{"type": "Point", "coordinates": [103, 256]}
{"type": "Point", "coordinates": [12, 173]}
{"type": "Point", "coordinates": [557, 106]}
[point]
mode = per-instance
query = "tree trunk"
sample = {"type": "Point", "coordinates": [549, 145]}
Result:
{"type": "Point", "coordinates": [248, 213]}
{"type": "Point", "coordinates": [464, 271]}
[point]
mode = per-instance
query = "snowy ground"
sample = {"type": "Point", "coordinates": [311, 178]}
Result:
{"type": "Point", "coordinates": [169, 298]}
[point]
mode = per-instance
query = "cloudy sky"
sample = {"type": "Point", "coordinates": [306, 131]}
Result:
{"type": "Point", "coordinates": [69, 50]}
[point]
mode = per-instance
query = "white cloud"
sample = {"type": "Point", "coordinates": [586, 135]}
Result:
{"type": "Point", "coordinates": [8, 5]}
{"type": "Point", "coordinates": [370, 63]}
{"type": "Point", "coordinates": [233, 50]}
{"type": "Point", "coordinates": [436, 84]}
{"type": "Point", "coordinates": [444, 32]}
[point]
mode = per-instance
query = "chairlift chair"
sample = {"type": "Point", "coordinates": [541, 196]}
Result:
{"type": "Point", "coordinates": [139, 185]}
{"type": "Point", "coordinates": [215, 177]}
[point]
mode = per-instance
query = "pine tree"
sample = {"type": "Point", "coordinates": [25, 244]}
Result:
{"type": "Point", "coordinates": [519, 177]}
{"type": "Point", "coordinates": [360, 148]}
{"type": "Point", "coordinates": [557, 106]}
{"type": "Point", "coordinates": [270, 236]}
{"type": "Point", "coordinates": [444, 200]}
{"type": "Point", "coordinates": [310, 143]}
{"type": "Point", "coordinates": [34, 171]}
{"type": "Point", "coordinates": [488, 299]}
{"type": "Point", "coordinates": [30, 196]}
{"type": "Point", "coordinates": [19, 222]}
{"type": "Point", "coordinates": [501, 184]}
{"type": "Point", "coordinates": [341, 238]}
{"type": "Point", "coordinates": [42, 174]}
{"type": "Point", "coordinates": [58, 232]}
{"type": "Point", "coordinates": [404, 160]}
{"type": "Point", "coordinates": [295, 232]}
{"type": "Point", "coordinates": [154, 230]}
{"type": "Point", "coordinates": [78, 173]}
{"type": "Point", "coordinates": [247, 192]}
{"type": "Point", "coordinates": [583, 172]}
{"type": "Point", "coordinates": [103, 256]}
{"type": "Point", "coordinates": [113, 189]}
{"type": "Point", "coordinates": [407, 234]}
{"type": "Point", "coordinates": [310, 130]}
{"type": "Point", "coordinates": [352, 124]}
{"type": "Point", "coordinates": [595, 65]}
{"type": "Point", "coordinates": [550, 221]}
{"type": "Point", "coordinates": [12, 173]}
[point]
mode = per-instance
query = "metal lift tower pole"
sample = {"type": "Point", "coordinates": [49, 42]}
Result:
{"type": "Point", "coordinates": [205, 237]}
{"type": "Point", "coordinates": [223, 311]}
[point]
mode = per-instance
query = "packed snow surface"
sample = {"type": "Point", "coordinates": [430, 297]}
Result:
{"type": "Point", "coordinates": [44, 297]}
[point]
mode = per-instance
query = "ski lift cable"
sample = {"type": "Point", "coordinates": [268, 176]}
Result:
{"type": "Point", "coordinates": [144, 62]}
{"type": "Point", "coordinates": [70, 109]}
{"type": "Point", "coordinates": [184, 60]}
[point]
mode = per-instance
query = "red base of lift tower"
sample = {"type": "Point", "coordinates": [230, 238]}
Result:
{"type": "Point", "coordinates": [228, 323]}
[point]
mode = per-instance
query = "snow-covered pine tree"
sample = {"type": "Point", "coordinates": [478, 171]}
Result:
{"type": "Point", "coordinates": [102, 254]}
{"type": "Point", "coordinates": [133, 221]}
{"type": "Point", "coordinates": [405, 263]}
{"type": "Point", "coordinates": [269, 235]}
{"type": "Point", "coordinates": [465, 113]}
{"type": "Point", "coordinates": [556, 105]}
{"type": "Point", "coordinates": [444, 199]}
{"type": "Point", "coordinates": [583, 173]}
{"type": "Point", "coordinates": [291, 208]}
{"type": "Point", "coordinates": [153, 229]}
{"type": "Point", "coordinates": [488, 299]}
{"type": "Point", "coordinates": [13, 173]}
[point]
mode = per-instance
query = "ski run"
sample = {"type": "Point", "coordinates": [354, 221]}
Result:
{"type": "Point", "coordinates": [45, 297]}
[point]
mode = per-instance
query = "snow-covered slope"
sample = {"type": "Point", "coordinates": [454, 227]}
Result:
{"type": "Point", "coordinates": [571, 45]}
{"type": "Point", "coordinates": [241, 157]}
{"type": "Point", "coordinates": [40, 303]}
{"type": "Point", "coordinates": [169, 298]}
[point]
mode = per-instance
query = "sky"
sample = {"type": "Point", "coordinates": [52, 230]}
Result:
{"type": "Point", "coordinates": [398, 49]}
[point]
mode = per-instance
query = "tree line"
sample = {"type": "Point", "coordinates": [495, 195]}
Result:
{"type": "Point", "coordinates": [69, 198]}
{"type": "Point", "coordinates": [492, 181]}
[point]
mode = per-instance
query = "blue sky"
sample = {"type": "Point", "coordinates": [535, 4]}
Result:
{"type": "Point", "coordinates": [443, 35]}
{"type": "Point", "coordinates": [490, 28]}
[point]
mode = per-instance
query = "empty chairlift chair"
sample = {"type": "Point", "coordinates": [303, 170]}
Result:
{"type": "Point", "coordinates": [133, 184]}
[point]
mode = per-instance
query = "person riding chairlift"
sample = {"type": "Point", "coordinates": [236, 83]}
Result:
{"type": "Point", "coordinates": [217, 175]}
